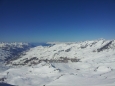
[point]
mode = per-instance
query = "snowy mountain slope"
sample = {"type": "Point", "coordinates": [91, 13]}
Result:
{"type": "Point", "coordinates": [95, 68]}
{"type": "Point", "coordinates": [8, 50]}
{"type": "Point", "coordinates": [61, 74]}
{"type": "Point", "coordinates": [30, 76]}
{"type": "Point", "coordinates": [4, 54]}
{"type": "Point", "coordinates": [81, 50]}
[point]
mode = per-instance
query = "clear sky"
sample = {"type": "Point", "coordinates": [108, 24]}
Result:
{"type": "Point", "coordinates": [56, 20]}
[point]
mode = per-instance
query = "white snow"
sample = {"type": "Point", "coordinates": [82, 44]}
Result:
{"type": "Point", "coordinates": [94, 68]}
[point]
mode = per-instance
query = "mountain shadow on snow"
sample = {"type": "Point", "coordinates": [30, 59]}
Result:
{"type": "Point", "coordinates": [5, 84]}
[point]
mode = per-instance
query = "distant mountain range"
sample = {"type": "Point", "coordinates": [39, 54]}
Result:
{"type": "Point", "coordinates": [14, 50]}
{"type": "Point", "coordinates": [34, 53]}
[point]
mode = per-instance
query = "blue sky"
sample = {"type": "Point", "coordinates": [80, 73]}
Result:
{"type": "Point", "coordinates": [56, 20]}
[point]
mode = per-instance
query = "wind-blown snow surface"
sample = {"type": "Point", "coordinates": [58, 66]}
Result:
{"type": "Point", "coordinates": [95, 68]}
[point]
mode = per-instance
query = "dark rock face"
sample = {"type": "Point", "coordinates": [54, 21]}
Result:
{"type": "Point", "coordinates": [68, 50]}
{"type": "Point", "coordinates": [104, 47]}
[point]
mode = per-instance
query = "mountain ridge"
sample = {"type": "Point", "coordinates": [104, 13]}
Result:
{"type": "Point", "coordinates": [57, 51]}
